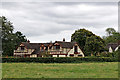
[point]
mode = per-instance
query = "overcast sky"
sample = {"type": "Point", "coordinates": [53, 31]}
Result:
{"type": "Point", "coordinates": [51, 21]}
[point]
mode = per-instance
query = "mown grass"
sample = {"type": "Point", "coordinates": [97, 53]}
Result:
{"type": "Point", "coordinates": [60, 70]}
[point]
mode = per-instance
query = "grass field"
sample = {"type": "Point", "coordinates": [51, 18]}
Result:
{"type": "Point", "coordinates": [62, 70]}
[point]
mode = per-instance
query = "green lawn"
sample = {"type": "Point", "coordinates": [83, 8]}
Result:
{"type": "Point", "coordinates": [62, 70]}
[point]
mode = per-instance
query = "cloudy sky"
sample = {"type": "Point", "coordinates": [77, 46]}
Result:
{"type": "Point", "coordinates": [51, 21]}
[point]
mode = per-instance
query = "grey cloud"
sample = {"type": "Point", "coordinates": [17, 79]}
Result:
{"type": "Point", "coordinates": [90, 3]}
{"type": "Point", "coordinates": [40, 19]}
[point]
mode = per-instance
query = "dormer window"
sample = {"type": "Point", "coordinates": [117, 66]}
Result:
{"type": "Point", "coordinates": [42, 48]}
{"type": "Point", "coordinates": [22, 48]}
{"type": "Point", "coordinates": [57, 47]}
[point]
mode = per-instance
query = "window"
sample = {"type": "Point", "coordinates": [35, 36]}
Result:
{"type": "Point", "coordinates": [71, 55]}
{"type": "Point", "coordinates": [80, 55]}
{"type": "Point", "coordinates": [42, 48]}
{"type": "Point", "coordinates": [22, 48]}
{"type": "Point", "coordinates": [75, 49]}
{"type": "Point", "coordinates": [46, 48]}
{"type": "Point", "coordinates": [50, 47]}
{"type": "Point", "coordinates": [57, 47]}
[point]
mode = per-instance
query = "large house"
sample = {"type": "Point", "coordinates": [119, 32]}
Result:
{"type": "Point", "coordinates": [113, 46]}
{"type": "Point", "coordinates": [56, 49]}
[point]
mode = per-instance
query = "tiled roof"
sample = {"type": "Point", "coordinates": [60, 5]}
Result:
{"type": "Point", "coordinates": [65, 44]}
{"type": "Point", "coordinates": [27, 45]}
{"type": "Point", "coordinates": [45, 44]}
{"type": "Point", "coordinates": [36, 46]}
{"type": "Point", "coordinates": [112, 45]}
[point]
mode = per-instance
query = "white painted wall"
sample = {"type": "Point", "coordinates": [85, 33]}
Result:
{"type": "Point", "coordinates": [54, 56]}
{"type": "Point", "coordinates": [65, 50]}
{"type": "Point", "coordinates": [62, 55]}
{"type": "Point", "coordinates": [117, 48]}
{"type": "Point", "coordinates": [76, 55]}
{"type": "Point", "coordinates": [70, 52]}
{"type": "Point", "coordinates": [110, 50]}
{"type": "Point", "coordinates": [80, 51]}
{"type": "Point", "coordinates": [34, 55]}
{"type": "Point", "coordinates": [22, 53]}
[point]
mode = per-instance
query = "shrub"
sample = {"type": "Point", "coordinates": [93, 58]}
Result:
{"type": "Point", "coordinates": [59, 60]}
{"type": "Point", "coordinates": [107, 54]}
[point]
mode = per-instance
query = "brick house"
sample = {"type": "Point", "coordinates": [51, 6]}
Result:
{"type": "Point", "coordinates": [56, 49]}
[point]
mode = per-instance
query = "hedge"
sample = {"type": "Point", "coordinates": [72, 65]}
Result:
{"type": "Point", "coordinates": [59, 60]}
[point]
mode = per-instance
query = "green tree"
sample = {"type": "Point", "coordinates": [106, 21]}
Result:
{"type": "Point", "coordinates": [110, 31]}
{"type": "Point", "coordinates": [7, 34]}
{"type": "Point", "coordinates": [19, 37]}
{"type": "Point", "coordinates": [80, 36]}
{"type": "Point", "coordinates": [94, 45]}
{"type": "Point", "coordinates": [112, 38]}
{"type": "Point", "coordinates": [10, 39]}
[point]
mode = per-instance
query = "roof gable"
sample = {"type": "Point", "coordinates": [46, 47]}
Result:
{"type": "Point", "coordinates": [112, 45]}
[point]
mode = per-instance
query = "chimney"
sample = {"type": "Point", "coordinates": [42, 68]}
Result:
{"type": "Point", "coordinates": [64, 39]}
{"type": "Point", "coordinates": [28, 41]}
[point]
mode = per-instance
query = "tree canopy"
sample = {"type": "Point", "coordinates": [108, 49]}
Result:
{"type": "Point", "coordinates": [87, 39]}
{"type": "Point", "coordinates": [110, 31]}
{"type": "Point", "coordinates": [9, 39]}
{"type": "Point", "coordinates": [93, 45]}
{"type": "Point", "coordinates": [80, 36]}
{"type": "Point", "coordinates": [113, 37]}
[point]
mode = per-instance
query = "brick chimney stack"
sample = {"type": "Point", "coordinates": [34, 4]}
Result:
{"type": "Point", "coordinates": [64, 39]}
{"type": "Point", "coordinates": [28, 41]}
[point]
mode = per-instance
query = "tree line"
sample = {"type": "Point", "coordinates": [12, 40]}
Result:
{"type": "Point", "coordinates": [10, 40]}
{"type": "Point", "coordinates": [90, 43]}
